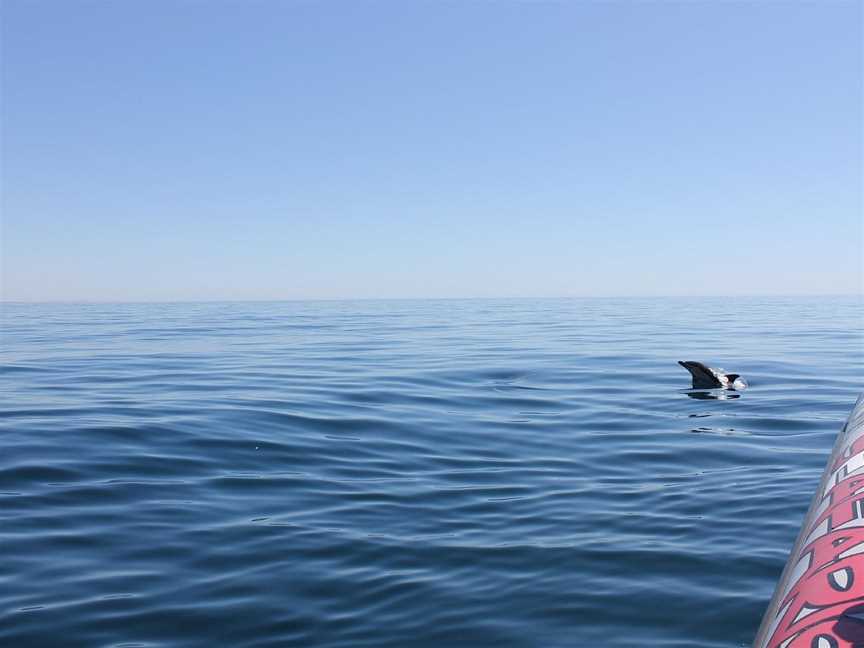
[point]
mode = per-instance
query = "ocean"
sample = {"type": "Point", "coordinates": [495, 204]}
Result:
{"type": "Point", "coordinates": [505, 473]}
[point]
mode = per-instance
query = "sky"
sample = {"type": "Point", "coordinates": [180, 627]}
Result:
{"type": "Point", "coordinates": [213, 149]}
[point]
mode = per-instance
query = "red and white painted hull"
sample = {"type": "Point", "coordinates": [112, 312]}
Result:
{"type": "Point", "coordinates": [819, 601]}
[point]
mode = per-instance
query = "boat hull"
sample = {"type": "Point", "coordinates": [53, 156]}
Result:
{"type": "Point", "coordinates": [819, 600]}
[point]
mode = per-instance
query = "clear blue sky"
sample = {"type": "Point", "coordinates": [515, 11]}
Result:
{"type": "Point", "coordinates": [275, 149]}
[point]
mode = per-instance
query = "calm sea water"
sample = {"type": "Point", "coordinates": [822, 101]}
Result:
{"type": "Point", "coordinates": [409, 473]}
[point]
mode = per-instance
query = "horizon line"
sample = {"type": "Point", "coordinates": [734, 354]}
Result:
{"type": "Point", "coordinates": [859, 295]}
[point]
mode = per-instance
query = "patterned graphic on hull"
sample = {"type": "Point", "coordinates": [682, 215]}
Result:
{"type": "Point", "coordinates": [819, 602]}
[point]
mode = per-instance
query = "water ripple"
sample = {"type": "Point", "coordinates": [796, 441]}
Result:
{"type": "Point", "coordinates": [424, 473]}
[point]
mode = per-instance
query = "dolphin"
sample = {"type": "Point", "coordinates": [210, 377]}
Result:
{"type": "Point", "coordinates": [704, 377]}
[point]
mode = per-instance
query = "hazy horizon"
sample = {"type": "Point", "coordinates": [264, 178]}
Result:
{"type": "Point", "coordinates": [858, 296]}
{"type": "Point", "coordinates": [277, 151]}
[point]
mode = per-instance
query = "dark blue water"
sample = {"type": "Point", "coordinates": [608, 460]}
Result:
{"type": "Point", "coordinates": [409, 473]}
